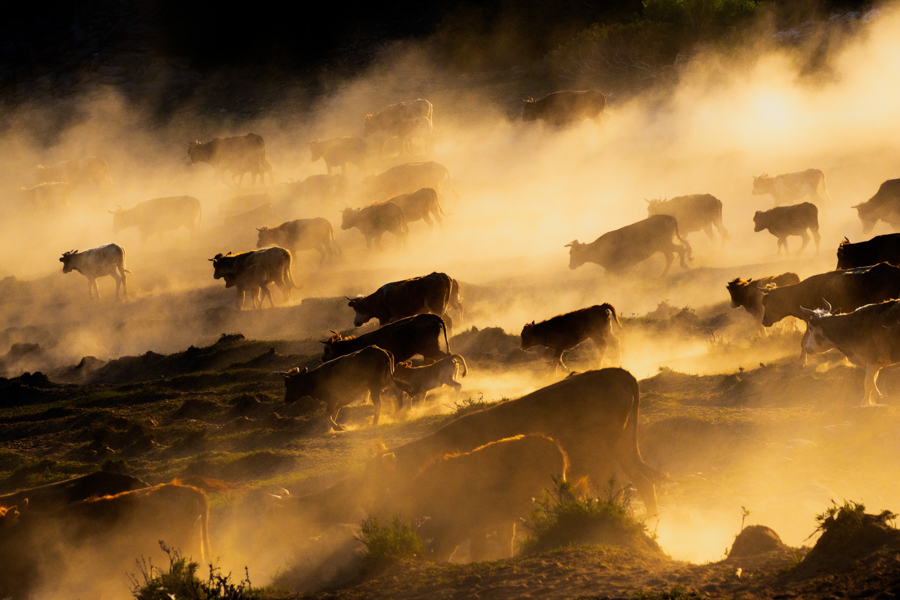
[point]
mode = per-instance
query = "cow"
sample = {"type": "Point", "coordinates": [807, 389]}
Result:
{"type": "Point", "coordinates": [302, 234]}
{"type": "Point", "coordinates": [566, 107]}
{"type": "Point", "coordinates": [883, 206]}
{"type": "Point", "coordinates": [845, 290]}
{"type": "Point", "coordinates": [418, 381]}
{"type": "Point", "coordinates": [869, 337]}
{"type": "Point", "coordinates": [407, 178]}
{"type": "Point", "coordinates": [593, 415]}
{"type": "Point", "coordinates": [693, 213]}
{"type": "Point", "coordinates": [239, 155]}
{"type": "Point", "coordinates": [55, 495]}
{"type": "Point", "coordinates": [420, 129]}
{"type": "Point", "coordinates": [420, 205]}
{"type": "Point", "coordinates": [315, 189]}
{"type": "Point", "coordinates": [98, 262]}
{"type": "Point", "coordinates": [564, 332]}
{"type": "Point", "coordinates": [337, 152]}
{"type": "Point", "coordinates": [419, 334]}
{"type": "Point", "coordinates": [374, 220]}
{"type": "Point", "coordinates": [244, 202]}
{"type": "Point", "coordinates": [100, 538]}
{"type": "Point", "coordinates": [76, 173]}
{"type": "Point", "coordinates": [793, 186]}
{"type": "Point", "coordinates": [48, 197]}
{"type": "Point", "coordinates": [277, 263]}
{"type": "Point", "coordinates": [749, 293]}
{"type": "Point", "coordinates": [455, 303]}
{"type": "Point", "coordinates": [255, 216]}
{"type": "Point", "coordinates": [397, 299]}
{"type": "Point", "coordinates": [881, 248]}
{"type": "Point", "coordinates": [253, 279]}
{"type": "Point", "coordinates": [622, 248]}
{"type": "Point", "coordinates": [470, 494]}
{"type": "Point", "coordinates": [392, 118]}
{"type": "Point", "coordinates": [344, 380]}
{"type": "Point", "coordinates": [158, 215]}
{"type": "Point", "coordinates": [783, 221]}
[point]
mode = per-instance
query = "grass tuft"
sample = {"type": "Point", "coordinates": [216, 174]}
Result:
{"type": "Point", "coordinates": [388, 542]}
{"type": "Point", "coordinates": [180, 582]}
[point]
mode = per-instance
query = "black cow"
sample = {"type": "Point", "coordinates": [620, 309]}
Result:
{"type": "Point", "coordinates": [881, 248]}
{"type": "Point", "coordinates": [404, 339]}
{"type": "Point", "coordinates": [562, 108]}
{"type": "Point", "coordinates": [564, 332]}
{"type": "Point", "coordinates": [55, 495]}
{"type": "Point", "coordinates": [749, 293]}
{"type": "Point", "coordinates": [783, 221]}
{"type": "Point", "coordinates": [884, 206]}
{"type": "Point", "coordinates": [276, 262]}
{"type": "Point", "coordinates": [431, 293]}
{"type": "Point", "coordinates": [344, 380]}
{"type": "Point", "coordinates": [622, 248]}
{"type": "Point", "coordinates": [845, 290]}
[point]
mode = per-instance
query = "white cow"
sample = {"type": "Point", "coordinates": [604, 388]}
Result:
{"type": "Point", "coordinates": [98, 262]}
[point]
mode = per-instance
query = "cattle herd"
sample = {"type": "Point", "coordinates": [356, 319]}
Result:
{"type": "Point", "coordinates": [584, 425]}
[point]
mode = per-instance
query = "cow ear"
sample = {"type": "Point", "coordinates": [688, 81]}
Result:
{"type": "Point", "coordinates": [846, 240]}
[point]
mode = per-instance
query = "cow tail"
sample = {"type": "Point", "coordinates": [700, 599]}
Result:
{"type": "Point", "coordinates": [645, 469]}
{"type": "Point", "coordinates": [687, 246]}
{"type": "Point", "coordinates": [446, 341]}
{"type": "Point", "coordinates": [825, 194]}
{"type": "Point", "coordinates": [441, 208]}
{"type": "Point", "coordinates": [450, 183]}
{"type": "Point", "coordinates": [612, 310]}
{"type": "Point", "coordinates": [334, 241]}
{"type": "Point", "coordinates": [205, 547]}
{"type": "Point", "coordinates": [288, 275]}
{"type": "Point", "coordinates": [200, 215]}
{"type": "Point", "coordinates": [462, 363]}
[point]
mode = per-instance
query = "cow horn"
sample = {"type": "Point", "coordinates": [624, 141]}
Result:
{"type": "Point", "coordinates": [827, 305]}
{"type": "Point", "coordinates": [846, 240]}
{"type": "Point", "coordinates": [858, 205]}
{"type": "Point", "coordinates": [349, 298]}
{"type": "Point", "coordinates": [572, 243]}
{"type": "Point", "coordinates": [323, 342]}
{"type": "Point", "coordinates": [808, 311]}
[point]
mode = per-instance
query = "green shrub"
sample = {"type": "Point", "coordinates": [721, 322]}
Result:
{"type": "Point", "coordinates": [180, 582]}
{"type": "Point", "coordinates": [389, 542]}
{"type": "Point", "coordinates": [849, 518]}
{"type": "Point", "coordinates": [567, 517]}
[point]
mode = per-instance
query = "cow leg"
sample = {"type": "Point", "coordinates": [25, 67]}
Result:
{"type": "Point", "coordinates": [508, 532]}
{"type": "Point", "coordinates": [456, 386]}
{"type": "Point", "coordinates": [628, 461]}
{"type": "Point", "coordinates": [601, 349]}
{"type": "Point", "coordinates": [723, 233]}
{"type": "Point", "coordinates": [376, 401]}
{"type": "Point", "coordinates": [803, 340]}
{"type": "Point", "coordinates": [872, 394]}
{"type": "Point", "coordinates": [239, 300]}
{"type": "Point", "coordinates": [708, 230]}
{"type": "Point", "coordinates": [817, 238]}
{"type": "Point", "coordinates": [805, 237]}
{"type": "Point", "coordinates": [669, 258]}
{"type": "Point", "coordinates": [118, 282]}
{"type": "Point", "coordinates": [477, 545]}
{"type": "Point", "coordinates": [92, 283]}
{"type": "Point", "coordinates": [429, 222]}
{"type": "Point", "coordinates": [560, 363]}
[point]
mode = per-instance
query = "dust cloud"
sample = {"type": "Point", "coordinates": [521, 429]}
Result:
{"type": "Point", "coordinates": [525, 191]}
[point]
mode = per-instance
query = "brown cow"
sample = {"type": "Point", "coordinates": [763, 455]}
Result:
{"type": "Point", "coordinates": [793, 186]}
{"type": "Point", "coordinates": [405, 298]}
{"type": "Point", "coordinates": [337, 152]}
{"type": "Point", "coordinates": [418, 381]}
{"type": "Point", "coordinates": [374, 220]}
{"type": "Point", "coordinates": [48, 196]}
{"type": "Point", "coordinates": [420, 205]}
{"type": "Point", "coordinates": [407, 178]}
{"type": "Point", "coordinates": [158, 215]}
{"type": "Point", "coordinates": [693, 213]}
{"type": "Point", "coordinates": [92, 169]}
{"type": "Point", "coordinates": [471, 494]}
{"type": "Point", "coordinates": [393, 118]}
{"type": "Point", "coordinates": [883, 206]}
{"type": "Point", "coordinates": [240, 155]}
{"type": "Point", "coordinates": [302, 234]}
{"type": "Point", "coordinates": [564, 332]}
{"type": "Point", "coordinates": [783, 221]}
{"type": "Point", "coordinates": [253, 279]}
{"type": "Point", "coordinates": [56, 495]}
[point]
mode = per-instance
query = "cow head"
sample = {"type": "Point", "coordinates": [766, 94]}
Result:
{"type": "Point", "coordinates": [119, 221]}
{"type": "Point", "coordinates": [762, 184]}
{"type": "Point", "coordinates": [528, 339]}
{"type": "Point", "coordinates": [653, 206]}
{"type": "Point", "coordinates": [315, 148]}
{"type": "Point", "coordinates": [349, 217]}
{"type": "Point", "coordinates": [218, 266]}
{"type": "Point", "coordinates": [845, 254]}
{"type": "Point", "coordinates": [577, 254]}
{"type": "Point", "coordinates": [198, 152]}
{"type": "Point", "coordinates": [266, 237]}
{"type": "Point", "coordinates": [364, 312]}
{"type": "Point", "coordinates": [760, 222]}
{"type": "Point", "coordinates": [67, 260]}
{"type": "Point", "coordinates": [776, 306]}
{"type": "Point", "coordinates": [867, 215]}
{"type": "Point", "coordinates": [741, 291]}
{"type": "Point", "coordinates": [9, 516]}
{"type": "Point", "coordinates": [816, 339]}
{"type": "Point", "coordinates": [297, 384]}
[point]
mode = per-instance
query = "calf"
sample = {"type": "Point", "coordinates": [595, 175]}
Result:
{"type": "Point", "coordinates": [373, 221]}
{"type": "Point", "coordinates": [419, 334]}
{"type": "Point", "coordinates": [344, 380]}
{"type": "Point", "coordinates": [470, 494]}
{"type": "Point", "coordinates": [783, 221]}
{"type": "Point", "coordinates": [420, 205]}
{"type": "Point", "coordinates": [98, 262]}
{"type": "Point", "coordinates": [869, 337]}
{"type": "Point", "coordinates": [564, 332]}
{"type": "Point", "coordinates": [418, 381]}
{"type": "Point", "coordinates": [253, 279]}
{"type": "Point", "coordinates": [749, 293]}
{"type": "Point", "coordinates": [337, 152]}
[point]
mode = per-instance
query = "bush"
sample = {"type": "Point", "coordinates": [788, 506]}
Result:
{"type": "Point", "coordinates": [389, 542]}
{"type": "Point", "coordinates": [847, 519]}
{"type": "Point", "coordinates": [567, 517]}
{"type": "Point", "coordinates": [180, 582]}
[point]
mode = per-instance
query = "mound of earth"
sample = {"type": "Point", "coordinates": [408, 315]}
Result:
{"type": "Point", "coordinates": [848, 535]}
{"type": "Point", "coordinates": [755, 540]}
